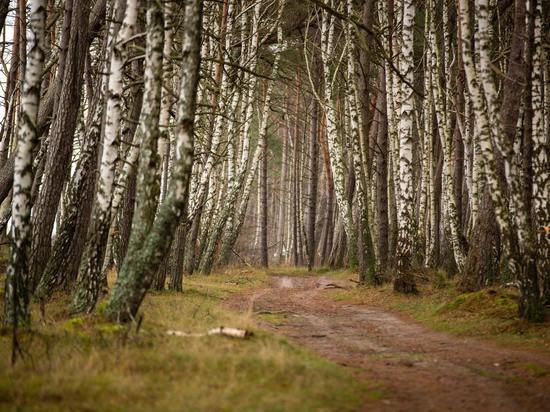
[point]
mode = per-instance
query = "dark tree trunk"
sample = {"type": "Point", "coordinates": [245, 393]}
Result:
{"type": "Point", "coordinates": [176, 258]}
{"type": "Point", "coordinates": [126, 216]}
{"type": "Point", "coordinates": [4, 9]}
{"type": "Point", "coordinates": [191, 245]}
{"type": "Point", "coordinates": [523, 256]}
{"type": "Point", "coordinates": [62, 265]}
{"type": "Point", "coordinates": [437, 188]}
{"type": "Point", "coordinates": [482, 263]}
{"type": "Point", "coordinates": [294, 194]}
{"type": "Point", "coordinates": [264, 258]}
{"type": "Point", "coordinates": [382, 180]}
{"type": "Point", "coordinates": [313, 181]}
{"type": "Point", "coordinates": [58, 156]}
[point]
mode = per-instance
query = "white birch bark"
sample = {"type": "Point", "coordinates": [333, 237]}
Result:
{"type": "Point", "coordinates": [367, 260]}
{"type": "Point", "coordinates": [335, 146]}
{"type": "Point", "coordinates": [89, 278]}
{"type": "Point", "coordinates": [16, 292]}
{"type": "Point", "coordinates": [167, 101]}
{"type": "Point", "coordinates": [405, 213]}
{"type": "Point", "coordinates": [242, 184]}
{"type": "Point", "coordinates": [145, 257]}
{"type": "Point", "coordinates": [541, 172]}
{"type": "Point", "coordinates": [219, 121]}
{"type": "Point", "coordinates": [442, 104]}
{"type": "Point", "coordinates": [237, 184]}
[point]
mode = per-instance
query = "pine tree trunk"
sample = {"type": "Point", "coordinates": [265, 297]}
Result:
{"type": "Point", "coordinates": [58, 155]}
{"type": "Point", "coordinates": [382, 180]}
{"type": "Point", "coordinates": [263, 201]}
{"type": "Point", "coordinates": [74, 222]}
{"type": "Point", "coordinates": [312, 186]}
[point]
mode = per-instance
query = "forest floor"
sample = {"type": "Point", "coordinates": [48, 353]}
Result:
{"type": "Point", "coordinates": [319, 344]}
{"type": "Point", "coordinates": [482, 357]}
{"type": "Point", "coordinates": [87, 364]}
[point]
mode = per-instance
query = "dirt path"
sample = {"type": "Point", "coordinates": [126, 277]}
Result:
{"type": "Point", "coordinates": [415, 368]}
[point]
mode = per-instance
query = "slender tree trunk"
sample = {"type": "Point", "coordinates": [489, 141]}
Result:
{"type": "Point", "coordinates": [61, 137]}
{"type": "Point", "coordinates": [404, 281]}
{"type": "Point", "coordinates": [382, 180]}
{"type": "Point", "coordinates": [89, 281]}
{"type": "Point", "coordinates": [312, 185]}
{"type": "Point", "coordinates": [74, 222]}
{"type": "Point", "coordinates": [146, 252]}
{"type": "Point", "coordinates": [336, 150]}
{"type": "Point", "coordinates": [263, 201]}
{"type": "Point", "coordinates": [17, 277]}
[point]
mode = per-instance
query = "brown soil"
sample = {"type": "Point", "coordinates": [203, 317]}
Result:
{"type": "Point", "coordinates": [415, 369]}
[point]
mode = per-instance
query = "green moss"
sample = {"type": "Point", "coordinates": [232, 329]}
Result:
{"type": "Point", "coordinates": [73, 324]}
{"type": "Point", "coordinates": [537, 370]}
{"type": "Point", "coordinates": [489, 303]}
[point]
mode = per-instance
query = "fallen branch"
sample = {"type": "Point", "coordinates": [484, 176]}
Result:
{"type": "Point", "coordinates": [230, 332]}
{"type": "Point", "coordinates": [277, 312]}
{"type": "Point", "coordinates": [332, 286]}
{"type": "Point", "coordinates": [241, 258]}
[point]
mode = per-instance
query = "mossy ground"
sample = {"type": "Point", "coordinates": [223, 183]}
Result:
{"type": "Point", "coordinates": [489, 313]}
{"type": "Point", "coordinates": [86, 363]}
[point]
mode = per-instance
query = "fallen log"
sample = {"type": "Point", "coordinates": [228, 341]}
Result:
{"type": "Point", "coordinates": [230, 332]}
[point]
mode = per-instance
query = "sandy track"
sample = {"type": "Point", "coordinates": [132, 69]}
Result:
{"type": "Point", "coordinates": [415, 368]}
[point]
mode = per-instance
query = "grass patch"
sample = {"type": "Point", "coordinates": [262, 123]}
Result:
{"type": "Point", "coordinates": [273, 318]}
{"type": "Point", "coordinates": [490, 313]}
{"type": "Point", "coordinates": [85, 363]}
{"type": "Point", "coordinates": [291, 271]}
{"type": "Point", "coordinates": [535, 369]}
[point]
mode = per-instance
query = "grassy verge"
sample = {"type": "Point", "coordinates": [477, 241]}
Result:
{"type": "Point", "coordinates": [490, 313]}
{"type": "Point", "coordinates": [87, 364]}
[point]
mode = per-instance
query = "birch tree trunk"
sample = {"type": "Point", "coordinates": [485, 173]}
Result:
{"type": "Point", "coordinates": [17, 277]}
{"type": "Point", "coordinates": [230, 238]}
{"type": "Point", "coordinates": [334, 146]}
{"type": "Point", "coordinates": [404, 280]}
{"type": "Point", "coordinates": [89, 280]}
{"type": "Point", "coordinates": [440, 66]}
{"type": "Point", "coordinates": [145, 257]}
{"type": "Point", "coordinates": [541, 173]}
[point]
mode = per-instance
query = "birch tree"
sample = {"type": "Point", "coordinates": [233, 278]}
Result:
{"type": "Point", "coordinates": [145, 257]}
{"type": "Point", "coordinates": [17, 293]}
{"type": "Point", "coordinates": [404, 282]}
{"type": "Point", "coordinates": [87, 290]}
